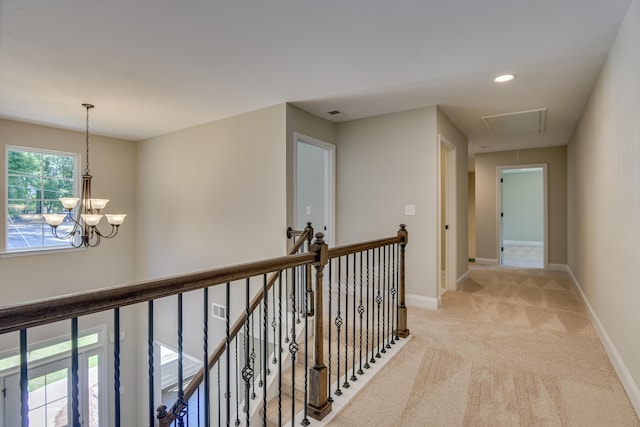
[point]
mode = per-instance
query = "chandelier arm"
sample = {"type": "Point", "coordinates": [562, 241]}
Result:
{"type": "Point", "coordinates": [71, 233]}
{"type": "Point", "coordinates": [112, 233]}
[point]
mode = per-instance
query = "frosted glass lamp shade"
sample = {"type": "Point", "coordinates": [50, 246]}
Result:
{"type": "Point", "coordinates": [69, 202]}
{"type": "Point", "coordinates": [98, 204]}
{"type": "Point", "coordinates": [91, 219]}
{"type": "Point", "coordinates": [115, 219]}
{"type": "Point", "coordinates": [54, 220]}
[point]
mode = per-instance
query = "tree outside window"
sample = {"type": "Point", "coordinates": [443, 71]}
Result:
{"type": "Point", "coordinates": [35, 181]}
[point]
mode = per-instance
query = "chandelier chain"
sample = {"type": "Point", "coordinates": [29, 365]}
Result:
{"type": "Point", "coordinates": [86, 140]}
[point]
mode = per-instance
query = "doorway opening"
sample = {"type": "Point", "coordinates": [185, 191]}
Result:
{"type": "Point", "coordinates": [314, 183]}
{"type": "Point", "coordinates": [447, 215]}
{"type": "Point", "coordinates": [523, 216]}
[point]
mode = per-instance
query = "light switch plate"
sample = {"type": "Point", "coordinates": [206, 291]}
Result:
{"type": "Point", "coordinates": [409, 209]}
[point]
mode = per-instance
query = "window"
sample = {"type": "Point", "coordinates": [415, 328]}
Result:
{"type": "Point", "coordinates": [35, 181]}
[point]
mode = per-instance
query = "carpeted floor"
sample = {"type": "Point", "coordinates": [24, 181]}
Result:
{"type": "Point", "coordinates": [513, 347]}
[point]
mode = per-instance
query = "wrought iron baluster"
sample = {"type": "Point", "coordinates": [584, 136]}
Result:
{"type": "Point", "coordinates": [305, 420]}
{"type": "Point", "coordinates": [338, 323]}
{"type": "Point", "coordinates": [219, 396]}
{"type": "Point", "coordinates": [368, 299]}
{"type": "Point", "coordinates": [330, 398]}
{"type": "Point", "coordinates": [260, 343]}
{"type": "Point", "coordinates": [279, 349]}
{"type": "Point", "coordinates": [265, 347]}
{"type": "Point", "coordinates": [346, 325]}
{"type": "Point", "coordinates": [360, 312]}
{"type": "Point", "coordinates": [180, 410]}
{"type": "Point", "coordinates": [150, 357]}
{"type": "Point", "coordinates": [387, 297]}
{"type": "Point", "coordinates": [378, 301]}
{"type": "Point", "coordinates": [205, 358]}
{"type": "Point", "coordinates": [286, 308]}
{"type": "Point", "coordinates": [237, 374]}
{"type": "Point", "coordinates": [293, 347]}
{"type": "Point", "coordinates": [227, 349]}
{"type": "Point", "coordinates": [253, 356]}
{"type": "Point", "coordinates": [353, 333]}
{"type": "Point", "coordinates": [247, 371]}
{"type": "Point", "coordinates": [24, 379]}
{"type": "Point", "coordinates": [274, 324]}
{"type": "Point", "coordinates": [394, 311]}
{"type": "Point", "coordinates": [374, 275]}
{"type": "Point", "coordinates": [116, 364]}
{"type": "Point", "coordinates": [384, 297]}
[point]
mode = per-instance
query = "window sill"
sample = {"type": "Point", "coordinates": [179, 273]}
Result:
{"type": "Point", "coordinates": [39, 251]}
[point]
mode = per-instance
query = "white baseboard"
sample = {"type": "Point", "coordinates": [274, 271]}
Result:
{"type": "Point", "coordinates": [618, 363]}
{"type": "Point", "coordinates": [420, 301]}
{"type": "Point", "coordinates": [461, 279]}
{"type": "Point", "coordinates": [486, 261]}
{"type": "Point", "coordinates": [558, 267]}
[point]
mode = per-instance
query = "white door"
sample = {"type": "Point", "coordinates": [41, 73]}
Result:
{"type": "Point", "coordinates": [314, 185]}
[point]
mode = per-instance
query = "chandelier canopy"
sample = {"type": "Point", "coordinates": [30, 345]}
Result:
{"type": "Point", "coordinates": [84, 221]}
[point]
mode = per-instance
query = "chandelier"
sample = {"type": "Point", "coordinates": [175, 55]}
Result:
{"type": "Point", "coordinates": [84, 222]}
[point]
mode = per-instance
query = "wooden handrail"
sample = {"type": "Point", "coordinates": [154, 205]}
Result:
{"type": "Point", "coordinates": [28, 315]}
{"type": "Point", "coordinates": [339, 251]}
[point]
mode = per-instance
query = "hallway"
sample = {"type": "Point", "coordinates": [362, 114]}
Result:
{"type": "Point", "coordinates": [513, 347]}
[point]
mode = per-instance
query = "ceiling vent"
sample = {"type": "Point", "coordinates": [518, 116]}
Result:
{"type": "Point", "coordinates": [336, 113]}
{"type": "Point", "coordinates": [531, 121]}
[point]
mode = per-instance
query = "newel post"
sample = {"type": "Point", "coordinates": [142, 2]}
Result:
{"type": "Point", "coordinates": [403, 331]}
{"type": "Point", "coordinates": [319, 405]}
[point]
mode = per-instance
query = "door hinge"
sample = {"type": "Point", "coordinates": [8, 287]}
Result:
{"type": "Point", "coordinates": [501, 249]}
{"type": "Point", "coordinates": [446, 227]}
{"type": "Point", "coordinates": [501, 214]}
{"type": "Point", "coordinates": [501, 180]}
{"type": "Point", "coordinates": [4, 392]}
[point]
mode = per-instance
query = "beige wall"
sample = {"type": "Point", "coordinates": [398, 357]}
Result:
{"type": "Point", "coordinates": [47, 274]}
{"type": "Point", "coordinates": [604, 202]}
{"type": "Point", "coordinates": [383, 164]}
{"type": "Point", "coordinates": [216, 192]}
{"type": "Point", "coordinates": [486, 165]}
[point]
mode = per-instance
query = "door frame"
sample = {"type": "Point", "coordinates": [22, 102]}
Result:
{"type": "Point", "coordinates": [545, 209]}
{"type": "Point", "coordinates": [451, 205]}
{"type": "Point", "coordinates": [329, 184]}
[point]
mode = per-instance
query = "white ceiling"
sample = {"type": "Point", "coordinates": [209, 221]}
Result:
{"type": "Point", "coordinates": [156, 66]}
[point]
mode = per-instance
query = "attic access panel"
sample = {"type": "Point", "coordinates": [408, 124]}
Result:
{"type": "Point", "coordinates": [521, 122]}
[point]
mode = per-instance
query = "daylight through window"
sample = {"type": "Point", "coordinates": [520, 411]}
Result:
{"type": "Point", "coordinates": [35, 181]}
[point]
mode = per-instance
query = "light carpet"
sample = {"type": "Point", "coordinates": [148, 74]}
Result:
{"type": "Point", "coordinates": [513, 347]}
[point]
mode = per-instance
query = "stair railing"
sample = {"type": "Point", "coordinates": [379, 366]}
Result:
{"type": "Point", "coordinates": [283, 295]}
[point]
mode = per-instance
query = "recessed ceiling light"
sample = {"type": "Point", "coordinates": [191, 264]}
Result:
{"type": "Point", "coordinates": [504, 78]}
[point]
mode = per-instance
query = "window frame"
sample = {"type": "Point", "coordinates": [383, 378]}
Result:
{"type": "Point", "coordinates": [63, 245]}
